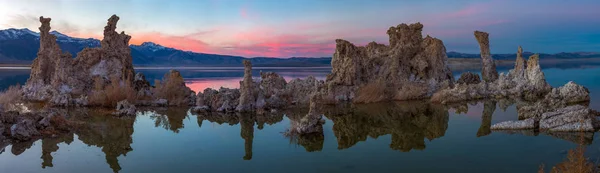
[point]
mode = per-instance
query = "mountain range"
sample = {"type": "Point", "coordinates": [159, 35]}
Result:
{"type": "Point", "coordinates": [20, 46]}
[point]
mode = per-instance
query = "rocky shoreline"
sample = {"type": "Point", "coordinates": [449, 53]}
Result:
{"type": "Point", "coordinates": [412, 67]}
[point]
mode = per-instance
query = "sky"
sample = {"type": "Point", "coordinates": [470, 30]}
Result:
{"type": "Point", "coordinates": [308, 28]}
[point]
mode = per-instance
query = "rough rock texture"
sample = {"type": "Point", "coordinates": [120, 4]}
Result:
{"type": "Point", "coordinates": [24, 130]}
{"type": "Point", "coordinates": [222, 100]}
{"type": "Point", "coordinates": [488, 66]}
{"type": "Point", "coordinates": [520, 65]}
{"type": "Point", "coordinates": [570, 93]}
{"type": "Point", "coordinates": [572, 118]}
{"type": "Point", "coordinates": [271, 83]}
{"type": "Point", "coordinates": [269, 92]}
{"type": "Point", "coordinates": [272, 92]}
{"type": "Point", "coordinates": [552, 115]}
{"type": "Point", "coordinates": [468, 78]}
{"type": "Point", "coordinates": [531, 85]}
{"type": "Point", "coordinates": [124, 108]}
{"type": "Point", "coordinates": [410, 61]}
{"type": "Point", "coordinates": [50, 69]}
{"type": "Point", "coordinates": [142, 86]}
{"type": "Point", "coordinates": [247, 99]}
{"type": "Point", "coordinates": [515, 125]}
{"type": "Point", "coordinates": [300, 90]}
{"type": "Point", "coordinates": [55, 75]}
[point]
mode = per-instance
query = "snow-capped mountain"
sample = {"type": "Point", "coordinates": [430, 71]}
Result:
{"type": "Point", "coordinates": [11, 34]}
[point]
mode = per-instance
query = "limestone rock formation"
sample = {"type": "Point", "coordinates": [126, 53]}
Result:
{"type": "Point", "coordinates": [300, 90]}
{"type": "Point", "coordinates": [222, 100]}
{"type": "Point", "coordinates": [570, 93]}
{"type": "Point", "coordinates": [269, 92]}
{"type": "Point", "coordinates": [247, 99]}
{"type": "Point", "coordinates": [520, 65]}
{"type": "Point", "coordinates": [56, 76]}
{"type": "Point", "coordinates": [468, 78]}
{"type": "Point", "coordinates": [488, 66]}
{"type": "Point", "coordinates": [410, 64]}
{"type": "Point", "coordinates": [531, 85]}
{"type": "Point", "coordinates": [548, 117]}
{"type": "Point", "coordinates": [272, 83]}
{"type": "Point", "coordinates": [50, 69]}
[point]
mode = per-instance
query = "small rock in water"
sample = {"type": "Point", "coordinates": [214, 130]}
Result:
{"type": "Point", "coordinates": [515, 125]}
{"type": "Point", "coordinates": [124, 108]}
{"type": "Point", "coordinates": [160, 103]}
{"type": "Point", "coordinates": [23, 130]}
{"type": "Point", "coordinates": [572, 118]}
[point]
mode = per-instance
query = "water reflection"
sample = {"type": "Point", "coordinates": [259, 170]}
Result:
{"type": "Point", "coordinates": [50, 145]}
{"type": "Point", "coordinates": [169, 119]}
{"type": "Point", "coordinates": [111, 134]}
{"type": "Point", "coordinates": [489, 106]}
{"type": "Point", "coordinates": [246, 121]}
{"type": "Point", "coordinates": [409, 123]}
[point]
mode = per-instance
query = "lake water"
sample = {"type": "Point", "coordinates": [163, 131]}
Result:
{"type": "Point", "coordinates": [385, 137]}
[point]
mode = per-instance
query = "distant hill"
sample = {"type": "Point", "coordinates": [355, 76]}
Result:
{"type": "Point", "coordinates": [20, 46]}
{"type": "Point", "coordinates": [562, 55]}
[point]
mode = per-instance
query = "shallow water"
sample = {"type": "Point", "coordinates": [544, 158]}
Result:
{"type": "Point", "coordinates": [385, 137]}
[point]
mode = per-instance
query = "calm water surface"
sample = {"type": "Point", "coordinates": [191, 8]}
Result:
{"type": "Point", "coordinates": [385, 137]}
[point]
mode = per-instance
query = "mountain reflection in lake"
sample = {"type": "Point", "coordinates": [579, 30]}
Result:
{"type": "Point", "coordinates": [383, 137]}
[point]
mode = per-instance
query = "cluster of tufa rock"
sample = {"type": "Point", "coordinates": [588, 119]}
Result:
{"type": "Point", "coordinates": [269, 92]}
{"type": "Point", "coordinates": [56, 77]}
{"type": "Point", "coordinates": [526, 81]}
{"type": "Point", "coordinates": [411, 67]}
{"type": "Point", "coordinates": [60, 80]}
{"type": "Point", "coordinates": [24, 126]}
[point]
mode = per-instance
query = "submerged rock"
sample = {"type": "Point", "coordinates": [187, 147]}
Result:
{"type": "Point", "coordinates": [124, 108]}
{"type": "Point", "coordinates": [572, 118]}
{"type": "Point", "coordinates": [412, 67]}
{"type": "Point", "coordinates": [23, 130]}
{"type": "Point", "coordinates": [515, 125]}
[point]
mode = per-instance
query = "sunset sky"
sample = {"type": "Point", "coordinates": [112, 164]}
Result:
{"type": "Point", "coordinates": [286, 28]}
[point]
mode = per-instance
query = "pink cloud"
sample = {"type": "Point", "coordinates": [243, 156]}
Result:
{"type": "Point", "coordinates": [178, 42]}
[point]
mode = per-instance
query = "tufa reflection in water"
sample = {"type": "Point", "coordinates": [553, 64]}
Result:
{"type": "Point", "coordinates": [409, 123]}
